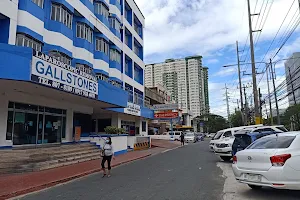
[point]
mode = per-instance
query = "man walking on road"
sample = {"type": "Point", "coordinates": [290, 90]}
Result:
{"type": "Point", "coordinates": [182, 139]}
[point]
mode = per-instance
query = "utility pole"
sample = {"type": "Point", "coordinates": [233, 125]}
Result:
{"type": "Point", "coordinates": [260, 104]}
{"type": "Point", "coordinates": [256, 108]}
{"type": "Point", "coordinates": [246, 106]}
{"type": "Point", "coordinates": [270, 103]}
{"type": "Point", "coordinates": [294, 97]}
{"type": "Point", "coordinates": [275, 93]}
{"type": "Point", "coordinates": [240, 81]}
{"type": "Point", "coordinates": [227, 103]}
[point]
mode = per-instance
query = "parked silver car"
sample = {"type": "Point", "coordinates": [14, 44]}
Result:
{"type": "Point", "coordinates": [190, 137]}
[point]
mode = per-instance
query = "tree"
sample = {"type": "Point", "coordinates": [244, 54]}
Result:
{"type": "Point", "coordinates": [236, 119]}
{"type": "Point", "coordinates": [291, 116]}
{"type": "Point", "coordinates": [211, 123]}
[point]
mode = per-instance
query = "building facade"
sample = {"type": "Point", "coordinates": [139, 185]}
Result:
{"type": "Point", "coordinates": [67, 64]}
{"type": "Point", "coordinates": [292, 73]}
{"type": "Point", "coordinates": [186, 79]}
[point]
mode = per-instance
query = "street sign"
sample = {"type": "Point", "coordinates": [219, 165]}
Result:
{"type": "Point", "coordinates": [165, 106]}
{"type": "Point", "coordinates": [167, 115]}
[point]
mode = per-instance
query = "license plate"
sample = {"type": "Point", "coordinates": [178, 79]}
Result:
{"type": "Point", "coordinates": [219, 150]}
{"type": "Point", "coordinates": [252, 177]}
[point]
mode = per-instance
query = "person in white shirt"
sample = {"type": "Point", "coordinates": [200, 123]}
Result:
{"type": "Point", "coordinates": [108, 154]}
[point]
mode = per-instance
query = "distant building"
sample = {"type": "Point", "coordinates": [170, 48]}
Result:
{"type": "Point", "coordinates": [292, 71]}
{"type": "Point", "coordinates": [186, 79]}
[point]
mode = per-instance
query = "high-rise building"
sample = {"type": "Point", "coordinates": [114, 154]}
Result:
{"type": "Point", "coordinates": [292, 72]}
{"type": "Point", "coordinates": [186, 79]}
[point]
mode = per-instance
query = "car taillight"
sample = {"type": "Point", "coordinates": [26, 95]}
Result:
{"type": "Point", "coordinates": [234, 159]}
{"type": "Point", "coordinates": [279, 160]}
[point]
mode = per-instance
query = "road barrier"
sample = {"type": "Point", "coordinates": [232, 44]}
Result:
{"type": "Point", "coordinates": [142, 145]}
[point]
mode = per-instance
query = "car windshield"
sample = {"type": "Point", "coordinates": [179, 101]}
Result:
{"type": "Point", "coordinates": [189, 134]}
{"type": "Point", "coordinates": [280, 142]}
{"type": "Point", "coordinates": [282, 128]}
{"type": "Point", "coordinates": [218, 135]}
{"type": "Point", "coordinates": [242, 132]}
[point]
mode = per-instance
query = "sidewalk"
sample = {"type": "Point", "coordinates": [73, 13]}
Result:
{"type": "Point", "coordinates": [19, 184]}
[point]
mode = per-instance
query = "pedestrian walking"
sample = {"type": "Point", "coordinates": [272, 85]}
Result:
{"type": "Point", "coordinates": [107, 155]}
{"type": "Point", "coordinates": [182, 139]}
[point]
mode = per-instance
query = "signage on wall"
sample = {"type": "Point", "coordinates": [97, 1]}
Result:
{"type": "Point", "coordinates": [48, 71]}
{"type": "Point", "coordinates": [165, 106]}
{"type": "Point", "coordinates": [166, 115]}
{"type": "Point", "coordinates": [133, 109]}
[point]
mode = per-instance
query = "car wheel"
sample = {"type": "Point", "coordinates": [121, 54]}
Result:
{"type": "Point", "coordinates": [226, 158]}
{"type": "Point", "coordinates": [255, 187]}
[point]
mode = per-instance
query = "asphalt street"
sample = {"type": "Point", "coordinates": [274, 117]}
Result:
{"type": "Point", "coordinates": [186, 173]}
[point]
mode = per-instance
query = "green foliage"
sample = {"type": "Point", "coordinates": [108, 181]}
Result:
{"type": "Point", "coordinates": [291, 115]}
{"type": "Point", "coordinates": [114, 130]}
{"type": "Point", "coordinates": [211, 123]}
{"type": "Point", "coordinates": [236, 119]}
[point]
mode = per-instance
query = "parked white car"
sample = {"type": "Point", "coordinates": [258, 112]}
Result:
{"type": "Point", "coordinates": [223, 147]}
{"type": "Point", "coordinates": [190, 137]}
{"type": "Point", "coordinates": [272, 161]}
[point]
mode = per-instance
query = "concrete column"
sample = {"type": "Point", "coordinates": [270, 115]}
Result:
{"type": "Point", "coordinates": [116, 120]}
{"type": "Point", "coordinates": [69, 126]}
{"type": "Point", "coordinates": [3, 121]}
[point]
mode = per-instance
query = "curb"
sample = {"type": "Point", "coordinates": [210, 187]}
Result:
{"type": "Point", "coordinates": [64, 180]}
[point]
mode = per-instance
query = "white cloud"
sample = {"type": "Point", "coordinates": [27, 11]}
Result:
{"type": "Point", "coordinates": [203, 26]}
{"type": "Point", "coordinates": [212, 61]}
{"type": "Point", "coordinates": [223, 72]}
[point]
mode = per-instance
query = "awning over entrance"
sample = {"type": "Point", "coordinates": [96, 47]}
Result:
{"type": "Point", "coordinates": [50, 93]}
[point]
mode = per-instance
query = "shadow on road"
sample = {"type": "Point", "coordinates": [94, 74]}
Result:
{"type": "Point", "coordinates": [270, 193]}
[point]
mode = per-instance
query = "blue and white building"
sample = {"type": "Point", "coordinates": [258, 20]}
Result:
{"type": "Point", "coordinates": [70, 63]}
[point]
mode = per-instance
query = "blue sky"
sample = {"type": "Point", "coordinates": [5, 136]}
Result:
{"type": "Point", "coordinates": [179, 28]}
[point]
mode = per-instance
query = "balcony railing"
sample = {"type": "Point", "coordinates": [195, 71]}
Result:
{"type": "Point", "coordinates": [154, 95]}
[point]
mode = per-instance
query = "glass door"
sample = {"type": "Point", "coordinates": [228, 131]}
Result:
{"type": "Point", "coordinates": [52, 129]}
{"type": "Point", "coordinates": [25, 128]}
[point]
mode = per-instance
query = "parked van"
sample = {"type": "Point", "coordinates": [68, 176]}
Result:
{"type": "Point", "coordinates": [175, 135]}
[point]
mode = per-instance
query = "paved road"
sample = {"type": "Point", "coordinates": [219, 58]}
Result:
{"type": "Point", "coordinates": [186, 173]}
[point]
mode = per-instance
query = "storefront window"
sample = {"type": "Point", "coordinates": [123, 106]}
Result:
{"type": "Point", "coordinates": [129, 127]}
{"type": "Point", "coordinates": [32, 124]}
{"type": "Point", "coordinates": [9, 126]}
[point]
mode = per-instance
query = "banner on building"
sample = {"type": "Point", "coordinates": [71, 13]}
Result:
{"type": "Point", "coordinates": [49, 71]}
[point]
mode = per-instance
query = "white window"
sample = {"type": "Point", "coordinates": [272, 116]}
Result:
{"type": "Point", "coordinates": [102, 45]}
{"type": "Point", "coordinates": [61, 14]}
{"type": "Point", "coordinates": [138, 29]}
{"type": "Point", "coordinates": [84, 68]}
{"type": "Point", "coordinates": [102, 77]}
{"type": "Point", "coordinates": [26, 41]}
{"type": "Point", "coordinates": [101, 9]}
{"type": "Point", "coordinates": [115, 56]}
{"type": "Point", "coordinates": [136, 50]}
{"type": "Point", "coordinates": [114, 23]}
{"type": "Point", "coordinates": [84, 31]}
{"type": "Point", "coordinates": [61, 57]}
{"type": "Point", "coordinates": [40, 3]}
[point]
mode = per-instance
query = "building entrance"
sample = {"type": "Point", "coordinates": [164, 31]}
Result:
{"type": "Point", "coordinates": [32, 124]}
